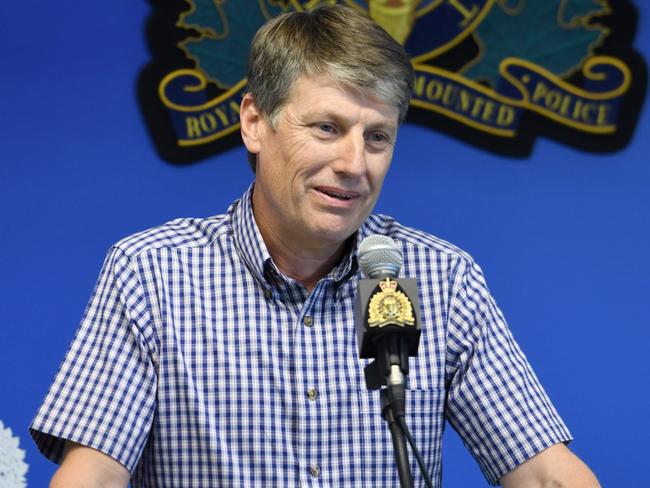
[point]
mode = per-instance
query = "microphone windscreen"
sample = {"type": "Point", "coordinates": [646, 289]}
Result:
{"type": "Point", "coordinates": [379, 255]}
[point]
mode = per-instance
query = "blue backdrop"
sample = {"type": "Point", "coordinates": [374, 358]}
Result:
{"type": "Point", "coordinates": [562, 236]}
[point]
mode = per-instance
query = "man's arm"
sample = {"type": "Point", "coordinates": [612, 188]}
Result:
{"type": "Point", "coordinates": [88, 468]}
{"type": "Point", "coordinates": [556, 466]}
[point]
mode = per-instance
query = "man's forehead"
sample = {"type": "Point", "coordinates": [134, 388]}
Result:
{"type": "Point", "coordinates": [315, 93]}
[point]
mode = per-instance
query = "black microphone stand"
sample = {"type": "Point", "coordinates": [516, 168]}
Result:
{"type": "Point", "coordinates": [390, 368]}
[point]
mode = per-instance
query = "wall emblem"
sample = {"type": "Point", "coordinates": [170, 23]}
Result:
{"type": "Point", "coordinates": [495, 73]}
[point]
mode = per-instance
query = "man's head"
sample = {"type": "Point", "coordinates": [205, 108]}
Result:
{"type": "Point", "coordinates": [328, 91]}
{"type": "Point", "coordinates": [338, 42]}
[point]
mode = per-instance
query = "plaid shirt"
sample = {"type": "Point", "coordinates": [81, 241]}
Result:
{"type": "Point", "coordinates": [198, 364]}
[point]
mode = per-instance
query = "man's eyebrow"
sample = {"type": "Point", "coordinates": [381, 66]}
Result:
{"type": "Point", "coordinates": [390, 127]}
{"type": "Point", "coordinates": [387, 125]}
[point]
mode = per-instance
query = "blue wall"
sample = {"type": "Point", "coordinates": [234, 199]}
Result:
{"type": "Point", "coordinates": [563, 236]}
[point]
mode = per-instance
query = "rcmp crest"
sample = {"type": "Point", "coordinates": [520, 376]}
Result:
{"type": "Point", "coordinates": [390, 306]}
{"type": "Point", "coordinates": [495, 73]}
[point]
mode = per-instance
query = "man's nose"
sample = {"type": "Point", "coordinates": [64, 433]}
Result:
{"type": "Point", "coordinates": [351, 157]}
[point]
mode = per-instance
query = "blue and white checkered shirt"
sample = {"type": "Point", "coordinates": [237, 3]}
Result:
{"type": "Point", "coordinates": [198, 364]}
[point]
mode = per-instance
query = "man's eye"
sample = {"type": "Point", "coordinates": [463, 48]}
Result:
{"type": "Point", "coordinates": [378, 137]}
{"type": "Point", "coordinates": [326, 127]}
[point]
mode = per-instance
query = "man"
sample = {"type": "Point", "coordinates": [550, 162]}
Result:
{"type": "Point", "coordinates": [222, 351]}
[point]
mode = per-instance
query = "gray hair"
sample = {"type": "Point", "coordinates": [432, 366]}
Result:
{"type": "Point", "coordinates": [336, 41]}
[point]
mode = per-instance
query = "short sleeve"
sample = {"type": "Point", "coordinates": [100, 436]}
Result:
{"type": "Point", "coordinates": [103, 395]}
{"type": "Point", "coordinates": [495, 401]}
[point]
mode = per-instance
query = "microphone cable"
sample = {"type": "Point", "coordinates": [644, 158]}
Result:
{"type": "Point", "coordinates": [423, 469]}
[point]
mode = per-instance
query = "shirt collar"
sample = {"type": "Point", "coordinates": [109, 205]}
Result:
{"type": "Point", "coordinates": [253, 250]}
{"type": "Point", "coordinates": [247, 235]}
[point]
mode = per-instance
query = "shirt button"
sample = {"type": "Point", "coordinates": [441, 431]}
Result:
{"type": "Point", "coordinates": [314, 469]}
{"type": "Point", "coordinates": [268, 294]}
{"type": "Point", "coordinates": [312, 394]}
{"type": "Point", "coordinates": [308, 321]}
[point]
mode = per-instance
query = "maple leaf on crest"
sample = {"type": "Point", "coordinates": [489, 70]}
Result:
{"type": "Point", "coordinates": [226, 29]}
{"type": "Point", "coordinates": [580, 12]}
{"type": "Point", "coordinates": [554, 34]}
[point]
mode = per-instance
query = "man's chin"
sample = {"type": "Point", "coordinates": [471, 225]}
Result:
{"type": "Point", "coordinates": [335, 234]}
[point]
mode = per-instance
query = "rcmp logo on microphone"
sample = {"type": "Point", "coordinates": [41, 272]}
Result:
{"type": "Point", "coordinates": [389, 306]}
{"type": "Point", "coordinates": [496, 73]}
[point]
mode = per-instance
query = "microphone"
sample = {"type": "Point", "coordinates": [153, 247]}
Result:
{"type": "Point", "coordinates": [388, 329]}
{"type": "Point", "coordinates": [387, 317]}
{"type": "Point", "coordinates": [380, 257]}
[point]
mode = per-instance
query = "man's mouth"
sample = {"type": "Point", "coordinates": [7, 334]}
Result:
{"type": "Point", "coordinates": [338, 194]}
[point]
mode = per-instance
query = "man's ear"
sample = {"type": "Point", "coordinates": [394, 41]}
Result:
{"type": "Point", "coordinates": [251, 120]}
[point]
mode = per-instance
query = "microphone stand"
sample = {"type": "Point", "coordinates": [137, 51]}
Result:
{"type": "Point", "coordinates": [390, 368]}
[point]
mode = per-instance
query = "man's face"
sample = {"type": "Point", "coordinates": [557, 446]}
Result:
{"type": "Point", "coordinates": [320, 171]}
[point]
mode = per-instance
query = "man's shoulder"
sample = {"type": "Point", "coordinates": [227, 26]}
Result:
{"type": "Point", "coordinates": [180, 233]}
{"type": "Point", "coordinates": [414, 239]}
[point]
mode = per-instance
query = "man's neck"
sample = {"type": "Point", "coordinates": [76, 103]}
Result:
{"type": "Point", "coordinates": [305, 264]}
{"type": "Point", "coordinates": [306, 268]}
